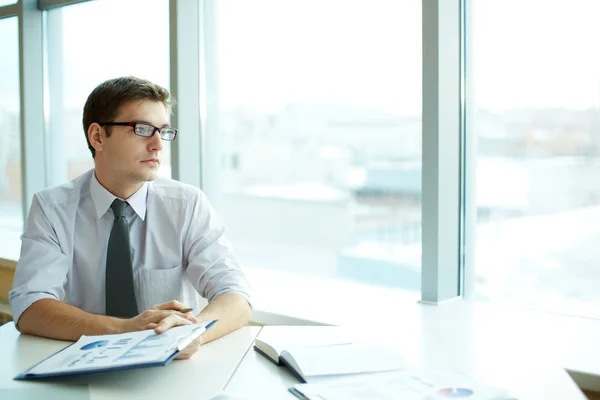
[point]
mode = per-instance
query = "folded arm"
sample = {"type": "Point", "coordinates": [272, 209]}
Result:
{"type": "Point", "coordinates": [57, 320]}
{"type": "Point", "coordinates": [39, 282]}
{"type": "Point", "coordinates": [232, 312]}
{"type": "Point", "coordinates": [215, 273]}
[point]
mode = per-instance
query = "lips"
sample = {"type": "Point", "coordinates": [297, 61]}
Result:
{"type": "Point", "coordinates": [151, 161]}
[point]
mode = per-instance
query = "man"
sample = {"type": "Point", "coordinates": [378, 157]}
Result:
{"type": "Point", "coordinates": [118, 249]}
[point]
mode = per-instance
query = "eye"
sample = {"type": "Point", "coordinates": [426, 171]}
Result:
{"type": "Point", "coordinates": [168, 133]}
{"type": "Point", "coordinates": [143, 129]}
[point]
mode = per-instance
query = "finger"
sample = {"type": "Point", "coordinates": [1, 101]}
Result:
{"type": "Point", "coordinates": [169, 305]}
{"type": "Point", "coordinates": [171, 321]}
{"type": "Point", "coordinates": [190, 350]}
{"type": "Point", "coordinates": [187, 315]}
{"type": "Point", "coordinates": [156, 316]}
{"type": "Point", "coordinates": [187, 353]}
{"type": "Point", "coordinates": [191, 317]}
{"type": "Point", "coordinates": [184, 356]}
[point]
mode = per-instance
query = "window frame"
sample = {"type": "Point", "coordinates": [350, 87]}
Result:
{"type": "Point", "coordinates": [441, 167]}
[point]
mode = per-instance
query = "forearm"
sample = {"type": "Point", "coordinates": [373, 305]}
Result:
{"type": "Point", "coordinates": [57, 320]}
{"type": "Point", "coordinates": [232, 312]}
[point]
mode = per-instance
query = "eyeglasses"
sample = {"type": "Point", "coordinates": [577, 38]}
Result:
{"type": "Point", "coordinates": [145, 129]}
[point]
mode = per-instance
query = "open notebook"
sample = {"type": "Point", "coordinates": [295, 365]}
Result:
{"type": "Point", "coordinates": [271, 345]}
{"type": "Point", "coordinates": [326, 353]}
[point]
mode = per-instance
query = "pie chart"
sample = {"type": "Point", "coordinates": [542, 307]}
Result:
{"type": "Point", "coordinates": [455, 393]}
{"type": "Point", "coordinates": [94, 345]}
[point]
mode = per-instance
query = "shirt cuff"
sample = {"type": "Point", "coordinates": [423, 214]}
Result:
{"type": "Point", "coordinates": [20, 303]}
{"type": "Point", "coordinates": [242, 293]}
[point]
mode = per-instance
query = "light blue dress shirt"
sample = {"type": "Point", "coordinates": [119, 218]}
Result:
{"type": "Point", "coordinates": [178, 247]}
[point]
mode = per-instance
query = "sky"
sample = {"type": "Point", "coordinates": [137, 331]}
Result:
{"type": "Point", "coordinates": [525, 53]}
{"type": "Point", "coordinates": [536, 53]}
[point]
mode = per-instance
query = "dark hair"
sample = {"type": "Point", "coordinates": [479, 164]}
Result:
{"type": "Point", "coordinates": [106, 99]}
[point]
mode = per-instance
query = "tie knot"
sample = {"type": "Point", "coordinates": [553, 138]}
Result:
{"type": "Point", "coordinates": [118, 207]}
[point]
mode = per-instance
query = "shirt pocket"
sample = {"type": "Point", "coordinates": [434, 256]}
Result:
{"type": "Point", "coordinates": [157, 286]}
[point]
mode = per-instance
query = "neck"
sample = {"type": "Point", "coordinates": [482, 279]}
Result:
{"type": "Point", "coordinates": [119, 188]}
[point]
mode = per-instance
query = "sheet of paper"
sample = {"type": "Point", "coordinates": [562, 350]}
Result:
{"type": "Point", "coordinates": [407, 385]}
{"type": "Point", "coordinates": [346, 359]}
{"type": "Point", "coordinates": [321, 336]}
{"type": "Point", "coordinates": [302, 337]}
{"type": "Point", "coordinates": [107, 351]}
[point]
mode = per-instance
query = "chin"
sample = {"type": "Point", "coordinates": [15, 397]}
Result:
{"type": "Point", "coordinates": [149, 173]}
{"type": "Point", "coordinates": [147, 176]}
{"type": "Point", "coordinates": [150, 177]}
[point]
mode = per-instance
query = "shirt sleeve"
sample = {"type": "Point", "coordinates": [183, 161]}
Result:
{"type": "Point", "coordinates": [42, 267]}
{"type": "Point", "coordinates": [212, 267]}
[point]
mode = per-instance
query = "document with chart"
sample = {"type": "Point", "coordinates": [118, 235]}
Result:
{"type": "Point", "coordinates": [408, 384]}
{"type": "Point", "coordinates": [115, 352]}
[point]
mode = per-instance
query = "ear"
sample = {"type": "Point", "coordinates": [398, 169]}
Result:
{"type": "Point", "coordinates": [97, 136]}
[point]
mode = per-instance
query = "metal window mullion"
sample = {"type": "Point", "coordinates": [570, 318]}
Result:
{"type": "Point", "coordinates": [470, 135]}
{"type": "Point", "coordinates": [441, 151]}
{"type": "Point", "coordinates": [186, 155]}
{"type": "Point", "coordinates": [9, 11]}
{"type": "Point", "coordinates": [48, 4]}
{"type": "Point", "coordinates": [212, 159]}
{"type": "Point", "coordinates": [31, 99]}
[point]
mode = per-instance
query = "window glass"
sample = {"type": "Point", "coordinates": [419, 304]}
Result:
{"type": "Point", "coordinates": [319, 125]}
{"type": "Point", "coordinates": [11, 196]}
{"type": "Point", "coordinates": [537, 118]}
{"type": "Point", "coordinates": [82, 54]}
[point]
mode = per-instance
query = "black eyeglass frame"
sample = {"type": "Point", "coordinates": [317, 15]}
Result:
{"type": "Point", "coordinates": [134, 124]}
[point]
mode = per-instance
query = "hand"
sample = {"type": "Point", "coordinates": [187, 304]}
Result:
{"type": "Point", "coordinates": [160, 317]}
{"type": "Point", "coordinates": [190, 350]}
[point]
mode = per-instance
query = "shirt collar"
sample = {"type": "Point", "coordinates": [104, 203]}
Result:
{"type": "Point", "coordinates": [103, 198]}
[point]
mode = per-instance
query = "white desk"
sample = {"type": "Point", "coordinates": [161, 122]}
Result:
{"type": "Point", "coordinates": [494, 345]}
{"type": "Point", "coordinates": [475, 353]}
{"type": "Point", "coordinates": [199, 378]}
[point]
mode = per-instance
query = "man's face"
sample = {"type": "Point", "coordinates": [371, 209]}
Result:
{"type": "Point", "coordinates": [130, 158]}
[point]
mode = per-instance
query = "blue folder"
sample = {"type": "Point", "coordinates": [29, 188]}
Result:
{"type": "Point", "coordinates": [168, 358]}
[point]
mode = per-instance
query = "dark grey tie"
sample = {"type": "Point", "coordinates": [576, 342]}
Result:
{"type": "Point", "coordinates": [120, 292]}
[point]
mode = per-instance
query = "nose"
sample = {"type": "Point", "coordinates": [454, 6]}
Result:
{"type": "Point", "coordinates": [156, 143]}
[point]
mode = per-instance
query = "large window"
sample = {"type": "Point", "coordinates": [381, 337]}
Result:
{"type": "Point", "coordinates": [87, 44]}
{"type": "Point", "coordinates": [536, 79]}
{"type": "Point", "coordinates": [11, 208]}
{"type": "Point", "coordinates": [320, 143]}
